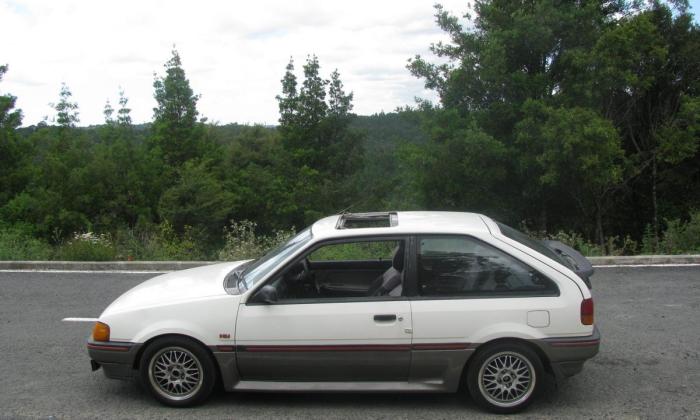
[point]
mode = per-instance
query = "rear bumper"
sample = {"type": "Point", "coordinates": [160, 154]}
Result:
{"type": "Point", "coordinates": [566, 355]}
{"type": "Point", "coordinates": [117, 359]}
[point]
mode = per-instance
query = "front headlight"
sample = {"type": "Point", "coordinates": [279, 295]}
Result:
{"type": "Point", "coordinates": [100, 332]}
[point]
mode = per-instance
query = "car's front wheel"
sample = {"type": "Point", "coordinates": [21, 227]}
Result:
{"type": "Point", "coordinates": [504, 378]}
{"type": "Point", "coordinates": [177, 371]}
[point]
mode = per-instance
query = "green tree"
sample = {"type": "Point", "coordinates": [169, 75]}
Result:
{"type": "Point", "coordinates": [108, 111]}
{"type": "Point", "coordinates": [288, 100]}
{"type": "Point", "coordinates": [124, 112]}
{"type": "Point", "coordinates": [511, 53]}
{"type": "Point", "coordinates": [573, 148]}
{"type": "Point", "coordinates": [339, 103]}
{"type": "Point", "coordinates": [315, 132]}
{"type": "Point", "coordinates": [524, 73]}
{"type": "Point", "coordinates": [197, 200]}
{"type": "Point", "coordinates": [67, 115]}
{"type": "Point", "coordinates": [10, 148]}
{"type": "Point", "coordinates": [645, 72]}
{"type": "Point", "coordinates": [176, 129]}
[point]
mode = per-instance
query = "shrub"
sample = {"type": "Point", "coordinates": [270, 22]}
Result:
{"type": "Point", "coordinates": [242, 243]}
{"type": "Point", "coordinates": [87, 247]}
{"type": "Point", "coordinates": [17, 244]}
{"type": "Point", "coordinates": [680, 238]}
{"type": "Point", "coordinates": [578, 242]}
{"type": "Point", "coordinates": [159, 243]}
{"type": "Point", "coordinates": [649, 241]}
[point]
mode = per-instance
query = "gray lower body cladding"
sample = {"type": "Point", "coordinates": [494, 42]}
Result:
{"type": "Point", "coordinates": [116, 359]}
{"type": "Point", "coordinates": [430, 370]}
{"type": "Point", "coordinates": [419, 368]}
{"type": "Point", "coordinates": [566, 355]}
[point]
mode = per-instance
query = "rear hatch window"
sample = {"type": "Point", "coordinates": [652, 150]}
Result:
{"type": "Point", "coordinates": [554, 250]}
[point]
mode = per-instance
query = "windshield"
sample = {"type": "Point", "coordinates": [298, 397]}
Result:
{"type": "Point", "coordinates": [534, 244]}
{"type": "Point", "coordinates": [262, 266]}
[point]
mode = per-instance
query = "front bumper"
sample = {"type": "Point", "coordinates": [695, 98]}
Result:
{"type": "Point", "coordinates": [117, 359]}
{"type": "Point", "coordinates": [566, 355]}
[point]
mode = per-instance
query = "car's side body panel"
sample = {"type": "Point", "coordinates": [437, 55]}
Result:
{"type": "Point", "coordinates": [210, 320]}
{"type": "Point", "coordinates": [324, 341]}
{"type": "Point", "coordinates": [339, 345]}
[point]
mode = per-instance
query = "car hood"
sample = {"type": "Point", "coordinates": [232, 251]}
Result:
{"type": "Point", "coordinates": [178, 286]}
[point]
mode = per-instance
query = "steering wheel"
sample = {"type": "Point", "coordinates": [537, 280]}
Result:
{"type": "Point", "coordinates": [303, 273]}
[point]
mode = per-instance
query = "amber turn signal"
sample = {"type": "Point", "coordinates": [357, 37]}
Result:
{"type": "Point", "coordinates": [100, 332]}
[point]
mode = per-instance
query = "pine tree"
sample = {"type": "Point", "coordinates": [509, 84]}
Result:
{"type": "Point", "coordinates": [124, 113]}
{"type": "Point", "coordinates": [315, 132]}
{"type": "Point", "coordinates": [10, 119]}
{"type": "Point", "coordinates": [312, 97]}
{"type": "Point", "coordinates": [339, 104]}
{"type": "Point", "coordinates": [108, 111]}
{"type": "Point", "coordinates": [67, 115]}
{"type": "Point", "coordinates": [175, 126]}
{"type": "Point", "coordinates": [288, 100]}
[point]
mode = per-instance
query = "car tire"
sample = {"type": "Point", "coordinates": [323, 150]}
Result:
{"type": "Point", "coordinates": [504, 378]}
{"type": "Point", "coordinates": [177, 371]}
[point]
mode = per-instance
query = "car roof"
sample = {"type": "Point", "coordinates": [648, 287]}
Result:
{"type": "Point", "coordinates": [407, 222]}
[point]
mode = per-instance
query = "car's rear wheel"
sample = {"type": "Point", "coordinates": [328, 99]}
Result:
{"type": "Point", "coordinates": [504, 378]}
{"type": "Point", "coordinates": [177, 371]}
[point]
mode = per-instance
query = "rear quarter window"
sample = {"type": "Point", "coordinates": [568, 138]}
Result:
{"type": "Point", "coordinates": [453, 266]}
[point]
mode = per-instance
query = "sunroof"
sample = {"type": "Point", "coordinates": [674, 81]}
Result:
{"type": "Point", "coordinates": [367, 220]}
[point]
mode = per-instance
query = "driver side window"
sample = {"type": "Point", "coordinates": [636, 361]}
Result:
{"type": "Point", "coordinates": [349, 269]}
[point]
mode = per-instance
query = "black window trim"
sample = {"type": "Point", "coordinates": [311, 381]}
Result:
{"type": "Point", "coordinates": [345, 239]}
{"type": "Point", "coordinates": [413, 286]}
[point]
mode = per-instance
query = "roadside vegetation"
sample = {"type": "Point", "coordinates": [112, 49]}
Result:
{"type": "Point", "coordinates": [579, 122]}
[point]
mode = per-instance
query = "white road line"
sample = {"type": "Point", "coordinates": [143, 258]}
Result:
{"type": "Point", "coordinates": [87, 271]}
{"type": "Point", "coordinates": [79, 320]}
{"type": "Point", "coordinates": [646, 265]}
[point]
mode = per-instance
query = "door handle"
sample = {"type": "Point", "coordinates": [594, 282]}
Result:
{"type": "Point", "coordinates": [385, 318]}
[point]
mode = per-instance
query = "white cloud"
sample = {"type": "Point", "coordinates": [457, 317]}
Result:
{"type": "Point", "coordinates": [234, 52]}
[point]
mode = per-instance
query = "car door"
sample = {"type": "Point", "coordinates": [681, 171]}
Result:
{"type": "Point", "coordinates": [327, 338]}
{"type": "Point", "coordinates": [340, 341]}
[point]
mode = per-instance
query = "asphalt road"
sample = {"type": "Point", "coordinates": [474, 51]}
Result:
{"type": "Point", "coordinates": [649, 364]}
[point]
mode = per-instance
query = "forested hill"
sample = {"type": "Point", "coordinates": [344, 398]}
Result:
{"type": "Point", "coordinates": [579, 120]}
{"type": "Point", "coordinates": [380, 131]}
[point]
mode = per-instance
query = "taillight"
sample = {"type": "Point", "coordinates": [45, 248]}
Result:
{"type": "Point", "coordinates": [587, 312]}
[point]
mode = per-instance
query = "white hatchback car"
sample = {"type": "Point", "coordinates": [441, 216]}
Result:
{"type": "Point", "coordinates": [406, 301]}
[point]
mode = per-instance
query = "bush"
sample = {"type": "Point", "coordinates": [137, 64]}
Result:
{"type": "Point", "coordinates": [681, 238]}
{"type": "Point", "coordinates": [87, 247]}
{"type": "Point", "coordinates": [649, 242]}
{"type": "Point", "coordinates": [578, 242]}
{"type": "Point", "coordinates": [242, 243]}
{"type": "Point", "coordinates": [159, 243]}
{"type": "Point", "coordinates": [16, 244]}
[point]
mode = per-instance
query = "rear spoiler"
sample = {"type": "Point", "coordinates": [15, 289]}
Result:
{"type": "Point", "coordinates": [578, 263]}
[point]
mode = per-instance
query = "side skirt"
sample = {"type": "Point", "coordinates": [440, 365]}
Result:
{"type": "Point", "coordinates": [341, 386]}
{"type": "Point", "coordinates": [433, 369]}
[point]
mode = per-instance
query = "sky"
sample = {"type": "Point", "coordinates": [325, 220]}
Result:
{"type": "Point", "coordinates": [234, 52]}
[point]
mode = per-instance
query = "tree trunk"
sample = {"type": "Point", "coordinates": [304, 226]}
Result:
{"type": "Point", "coordinates": [654, 203]}
{"type": "Point", "coordinates": [599, 225]}
{"type": "Point", "coordinates": [543, 218]}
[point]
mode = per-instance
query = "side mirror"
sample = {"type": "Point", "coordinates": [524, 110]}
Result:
{"type": "Point", "coordinates": [268, 294]}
